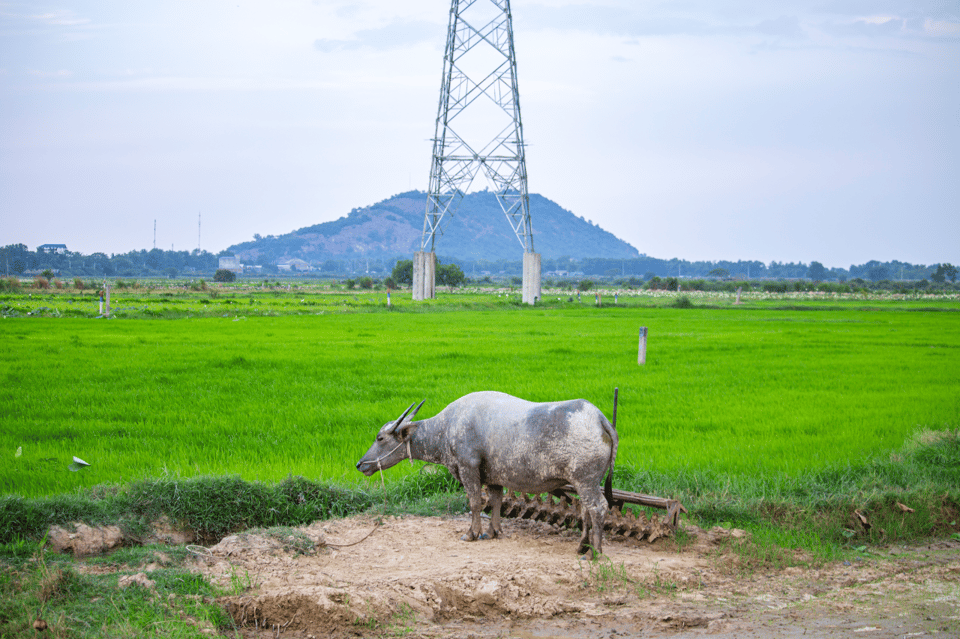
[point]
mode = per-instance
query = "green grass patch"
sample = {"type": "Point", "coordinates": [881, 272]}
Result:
{"type": "Point", "coordinates": [731, 392]}
{"type": "Point", "coordinates": [904, 496]}
{"type": "Point", "coordinates": [249, 409]}
{"type": "Point", "coordinates": [43, 594]}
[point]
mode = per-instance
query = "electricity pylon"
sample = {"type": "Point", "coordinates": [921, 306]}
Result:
{"type": "Point", "coordinates": [478, 132]}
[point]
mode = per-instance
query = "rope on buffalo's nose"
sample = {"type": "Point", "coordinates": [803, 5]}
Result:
{"type": "Point", "coordinates": [383, 483]}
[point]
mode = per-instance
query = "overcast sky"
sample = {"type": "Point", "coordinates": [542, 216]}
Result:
{"type": "Point", "coordinates": [823, 130]}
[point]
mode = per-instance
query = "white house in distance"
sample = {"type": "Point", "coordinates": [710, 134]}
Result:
{"type": "Point", "coordinates": [52, 248]}
{"type": "Point", "coordinates": [295, 264]}
{"type": "Point", "coordinates": [231, 264]}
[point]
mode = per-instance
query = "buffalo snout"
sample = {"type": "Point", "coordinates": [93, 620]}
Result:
{"type": "Point", "coordinates": [366, 467]}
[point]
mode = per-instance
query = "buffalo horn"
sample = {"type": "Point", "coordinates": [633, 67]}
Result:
{"type": "Point", "coordinates": [397, 423]}
{"type": "Point", "coordinates": [416, 410]}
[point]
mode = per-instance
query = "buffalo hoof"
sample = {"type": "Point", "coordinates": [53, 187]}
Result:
{"type": "Point", "coordinates": [470, 537]}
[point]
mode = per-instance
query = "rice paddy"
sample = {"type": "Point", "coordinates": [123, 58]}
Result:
{"type": "Point", "coordinates": [726, 391]}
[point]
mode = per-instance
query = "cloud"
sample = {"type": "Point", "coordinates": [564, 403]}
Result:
{"type": "Point", "coordinates": [185, 84]}
{"type": "Point", "coordinates": [839, 18]}
{"type": "Point", "coordinates": [935, 9]}
{"type": "Point", "coordinates": [941, 28]}
{"type": "Point", "coordinates": [58, 19]}
{"type": "Point", "coordinates": [866, 27]}
{"type": "Point", "coordinates": [785, 26]}
{"type": "Point", "coordinates": [61, 73]}
{"type": "Point", "coordinates": [608, 20]}
{"type": "Point", "coordinates": [347, 10]}
{"type": "Point", "coordinates": [398, 34]}
{"type": "Point", "coordinates": [63, 18]}
{"type": "Point", "coordinates": [872, 18]}
{"type": "Point", "coordinates": [63, 24]}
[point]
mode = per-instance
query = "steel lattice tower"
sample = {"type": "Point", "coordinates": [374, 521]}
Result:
{"type": "Point", "coordinates": [478, 132]}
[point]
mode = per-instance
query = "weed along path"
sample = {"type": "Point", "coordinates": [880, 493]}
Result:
{"type": "Point", "coordinates": [413, 577]}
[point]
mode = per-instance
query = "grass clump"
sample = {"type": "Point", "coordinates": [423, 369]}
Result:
{"type": "Point", "coordinates": [603, 575]}
{"type": "Point", "coordinates": [214, 507]}
{"type": "Point", "coordinates": [291, 539]}
{"type": "Point", "coordinates": [30, 518]}
{"type": "Point", "coordinates": [44, 594]}
{"type": "Point", "coordinates": [911, 494]}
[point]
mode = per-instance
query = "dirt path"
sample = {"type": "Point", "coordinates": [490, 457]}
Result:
{"type": "Point", "coordinates": [413, 577]}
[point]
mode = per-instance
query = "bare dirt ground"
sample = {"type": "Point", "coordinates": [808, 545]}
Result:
{"type": "Point", "coordinates": [413, 577]}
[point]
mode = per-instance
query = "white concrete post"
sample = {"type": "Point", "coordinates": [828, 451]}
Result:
{"type": "Point", "coordinates": [531, 278]}
{"type": "Point", "coordinates": [424, 275]}
{"type": "Point", "coordinates": [642, 353]}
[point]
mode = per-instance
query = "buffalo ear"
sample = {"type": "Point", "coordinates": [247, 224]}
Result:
{"type": "Point", "coordinates": [406, 431]}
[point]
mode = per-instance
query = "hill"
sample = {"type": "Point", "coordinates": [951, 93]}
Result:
{"type": "Point", "coordinates": [478, 231]}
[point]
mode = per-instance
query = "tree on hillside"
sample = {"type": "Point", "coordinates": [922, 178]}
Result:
{"type": "Point", "coordinates": [817, 272]}
{"type": "Point", "coordinates": [403, 272]}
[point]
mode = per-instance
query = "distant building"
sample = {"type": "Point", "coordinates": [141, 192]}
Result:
{"type": "Point", "coordinates": [52, 248]}
{"type": "Point", "coordinates": [231, 264]}
{"type": "Point", "coordinates": [294, 265]}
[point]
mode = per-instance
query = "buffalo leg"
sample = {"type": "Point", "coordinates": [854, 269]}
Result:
{"type": "Point", "coordinates": [470, 478]}
{"type": "Point", "coordinates": [593, 510]}
{"type": "Point", "coordinates": [495, 494]}
{"type": "Point", "coordinates": [583, 547]}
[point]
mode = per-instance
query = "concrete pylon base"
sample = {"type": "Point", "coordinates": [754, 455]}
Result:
{"type": "Point", "coordinates": [424, 275]}
{"type": "Point", "coordinates": [531, 278]}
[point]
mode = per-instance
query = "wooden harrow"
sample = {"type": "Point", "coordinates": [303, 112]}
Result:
{"type": "Point", "coordinates": [562, 508]}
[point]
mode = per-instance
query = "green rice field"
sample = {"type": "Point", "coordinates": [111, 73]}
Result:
{"type": "Point", "coordinates": [275, 384]}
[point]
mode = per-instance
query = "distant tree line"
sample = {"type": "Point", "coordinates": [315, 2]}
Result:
{"type": "Point", "coordinates": [645, 267]}
{"type": "Point", "coordinates": [17, 259]}
{"type": "Point", "coordinates": [873, 271]}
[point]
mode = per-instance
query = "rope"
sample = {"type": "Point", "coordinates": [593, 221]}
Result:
{"type": "Point", "coordinates": [383, 483]}
{"type": "Point", "coordinates": [375, 526]}
{"type": "Point", "coordinates": [205, 552]}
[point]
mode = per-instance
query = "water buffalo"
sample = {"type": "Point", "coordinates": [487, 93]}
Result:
{"type": "Point", "coordinates": [496, 440]}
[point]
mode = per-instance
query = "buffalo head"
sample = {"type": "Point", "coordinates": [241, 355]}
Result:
{"type": "Point", "coordinates": [391, 445]}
